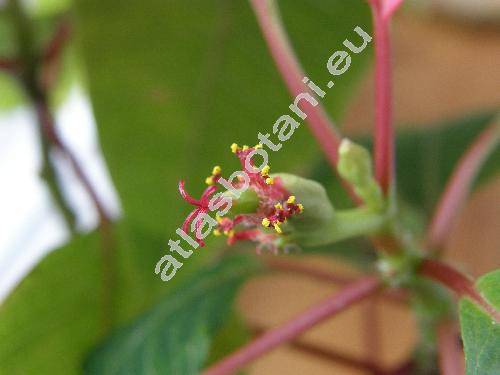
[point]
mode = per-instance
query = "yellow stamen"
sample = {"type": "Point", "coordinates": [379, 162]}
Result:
{"type": "Point", "coordinates": [216, 170]}
{"type": "Point", "coordinates": [266, 222]}
{"type": "Point", "coordinates": [301, 207]}
{"type": "Point", "coordinates": [234, 148]}
{"type": "Point", "coordinates": [245, 148]}
{"type": "Point", "coordinates": [265, 170]}
{"type": "Point", "coordinates": [231, 233]}
{"type": "Point", "coordinates": [277, 228]}
{"type": "Point", "coordinates": [278, 206]}
{"type": "Point", "coordinates": [218, 218]}
{"type": "Point", "coordinates": [291, 199]}
{"type": "Point", "coordinates": [216, 232]}
{"type": "Point", "coordinates": [269, 180]}
{"type": "Point", "coordinates": [257, 146]}
{"type": "Point", "coordinates": [209, 180]}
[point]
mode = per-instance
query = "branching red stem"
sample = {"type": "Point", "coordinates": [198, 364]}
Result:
{"type": "Point", "coordinates": [321, 126]}
{"type": "Point", "coordinates": [349, 295]}
{"type": "Point", "coordinates": [384, 132]}
{"type": "Point", "coordinates": [462, 285]}
{"type": "Point", "coordinates": [459, 184]}
{"type": "Point", "coordinates": [329, 354]}
{"type": "Point", "coordinates": [451, 359]}
{"type": "Point", "coordinates": [59, 40]}
{"type": "Point", "coordinates": [9, 65]}
{"type": "Point", "coordinates": [298, 267]}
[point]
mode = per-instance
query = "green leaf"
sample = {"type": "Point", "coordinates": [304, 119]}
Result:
{"type": "Point", "coordinates": [173, 84]}
{"type": "Point", "coordinates": [480, 333]}
{"type": "Point", "coordinates": [174, 337]}
{"type": "Point", "coordinates": [38, 335]}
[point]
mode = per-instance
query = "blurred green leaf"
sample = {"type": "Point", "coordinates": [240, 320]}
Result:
{"type": "Point", "coordinates": [174, 337]}
{"type": "Point", "coordinates": [480, 334]}
{"type": "Point", "coordinates": [55, 313]}
{"type": "Point", "coordinates": [173, 84]}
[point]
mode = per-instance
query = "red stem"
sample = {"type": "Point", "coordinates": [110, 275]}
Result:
{"type": "Point", "coordinates": [9, 65]}
{"type": "Point", "coordinates": [451, 359]}
{"type": "Point", "coordinates": [329, 354]}
{"type": "Point", "coordinates": [306, 269]}
{"type": "Point", "coordinates": [384, 132]}
{"type": "Point", "coordinates": [50, 132]}
{"type": "Point", "coordinates": [298, 267]}
{"type": "Point", "coordinates": [59, 39]}
{"type": "Point", "coordinates": [322, 128]}
{"type": "Point", "coordinates": [272, 29]}
{"type": "Point", "coordinates": [333, 305]}
{"type": "Point", "coordinates": [459, 184]}
{"type": "Point", "coordinates": [458, 282]}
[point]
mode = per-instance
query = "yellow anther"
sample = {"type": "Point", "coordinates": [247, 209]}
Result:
{"type": "Point", "coordinates": [278, 206]}
{"type": "Point", "coordinates": [291, 199]}
{"type": "Point", "coordinates": [301, 207]}
{"type": "Point", "coordinates": [216, 232]}
{"type": "Point", "coordinates": [209, 180]}
{"type": "Point", "coordinates": [257, 146]}
{"type": "Point", "coordinates": [265, 170]}
{"type": "Point", "coordinates": [269, 180]}
{"type": "Point", "coordinates": [277, 228]}
{"type": "Point", "coordinates": [218, 218]}
{"type": "Point", "coordinates": [266, 222]}
{"type": "Point", "coordinates": [234, 148]}
{"type": "Point", "coordinates": [231, 233]}
{"type": "Point", "coordinates": [245, 148]}
{"type": "Point", "coordinates": [216, 170]}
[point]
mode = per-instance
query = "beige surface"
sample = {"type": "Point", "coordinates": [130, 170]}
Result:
{"type": "Point", "coordinates": [441, 70]}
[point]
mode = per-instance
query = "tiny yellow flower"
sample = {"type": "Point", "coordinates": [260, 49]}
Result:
{"type": "Point", "coordinates": [265, 170]}
{"type": "Point", "coordinates": [277, 228]}
{"type": "Point", "coordinates": [216, 170]}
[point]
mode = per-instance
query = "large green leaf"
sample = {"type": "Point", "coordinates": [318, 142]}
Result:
{"type": "Point", "coordinates": [172, 84]}
{"type": "Point", "coordinates": [174, 337]}
{"type": "Point", "coordinates": [480, 333]}
{"type": "Point", "coordinates": [43, 329]}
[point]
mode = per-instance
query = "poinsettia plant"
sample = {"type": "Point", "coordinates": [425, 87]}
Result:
{"type": "Point", "coordinates": [279, 213]}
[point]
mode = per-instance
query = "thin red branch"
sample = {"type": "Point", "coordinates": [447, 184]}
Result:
{"type": "Point", "coordinates": [333, 305]}
{"type": "Point", "coordinates": [321, 126]}
{"type": "Point", "coordinates": [328, 354]}
{"type": "Point", "coordinates": [58, 41]}
{"type": "Point", "coordinates": [298, 267]}
{"type": "Point", "coordinates": [294, 266]}
{"type": "Point", "coordinates": [462, 285]}
{"type": "Point", "coordinates": [49, 131]}
{"type": "Point", "coordinates": [391, 6]}
{"type": "Point", "coordinates": [459, 184]}
{"type": "Point", "coordinates": [9, 65]}
{"type": "Point", "coordinates": [384, 132]}
{"type": "Point", "coordinates": [451, 358]}
{"type": "Point", "coordinates": [52, 54]}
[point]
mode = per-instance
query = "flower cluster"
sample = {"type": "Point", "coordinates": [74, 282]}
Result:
{"type": "Point", "coordinates": [261, 221]}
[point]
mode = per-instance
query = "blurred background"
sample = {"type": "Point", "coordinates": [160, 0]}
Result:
{"type": "Point", "coordinates": [143, 94]}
